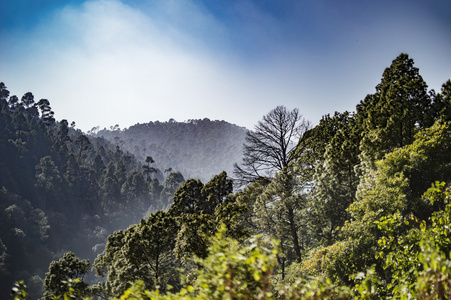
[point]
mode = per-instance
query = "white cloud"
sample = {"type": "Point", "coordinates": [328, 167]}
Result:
{"type": "Point", "coordinates": [105, 63]}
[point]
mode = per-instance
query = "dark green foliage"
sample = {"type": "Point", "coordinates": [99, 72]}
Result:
{"type": "Point", "coordinates": [399, 108]}
{"type": "Point", "coordinates": [153, 249]}
{"type": "Point", "coordinates": [335, 178]}
{"type": "Point", "coordinates": [442, 103]}
{"type": "Point", "coordinates": [143, 251]}
{"type": "Point", "coordinates": [200, 209]}
{"type": "Point", "coordinates": [61, 271]}
{"type": "Point", "coordinates": [216, 191]}
{"type": "Point", "coordinates": [172, 183]}
{"type": "Point", "coordinates": [195, 197]}
{"type": "Point", "coordinates": [46, 112]}
{"type": "Point", "coordinates": [360, 202]}
{"type": "Point", "coordinates": [247, 199]}
{"type": "Point", "coordinates": [279, 211]}
{"type": "Point", "coordinates": [59, 190]}
{"type": "Point", "coordinates": [188, 199]}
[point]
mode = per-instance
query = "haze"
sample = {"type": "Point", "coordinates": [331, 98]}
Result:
{"type": "Point", "coordinates": [107, 62]}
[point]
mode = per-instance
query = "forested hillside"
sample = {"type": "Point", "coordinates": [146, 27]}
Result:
{"type": "Point", "coordinates": [61, 190]}
{"type": "Point", "coordinates": [197, 148]}
{"type": "Point", "coordinates": [356, 207]}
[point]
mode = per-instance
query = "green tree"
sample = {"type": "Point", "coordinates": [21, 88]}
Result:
{"type": "Point", "coordinates": [280, 212]}
{"type": "Point", "coordinates": [247, 197]}
{"type": "Point", "coordinates": [60, 272]}
{"type": "Point", "coordinates": [416, 253]}
{"type": "Point", "coordinates": [83, 143]}
{"type": "Point", "coordinates": [136, 192]}
{"type": "Point", "coordinates": [398, 109]}
{"type": "Point", "coordinates": [142, 252]}
{"type": "Point", "coordinates": [396, 186]}
{"type": "Point", "coordinates": [442, 103]}
{"type": "Point", "coordinates": [216, 191]}
{"type": "Point", "coordinates": [48, 180]}
{"type": "Point", "coordinates": [148, 169]}
{"type": "Point", "coordinates": [28, 100]}
{"type": "Point", "coordinates": [335, 179]}
{"type": "Point", "coordinates": [200, 209]}
{"type": "Point", "coordinates": [46, 111]}
{"type": "Point", "coordinates": [171, 184]}
{"type": "Point", "coordinates": [188, 199]}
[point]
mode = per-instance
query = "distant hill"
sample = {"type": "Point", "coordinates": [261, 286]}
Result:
{"type": "Point", "coordinates": [196, 148]}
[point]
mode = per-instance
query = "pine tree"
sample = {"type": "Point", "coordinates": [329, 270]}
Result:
{"type": "Point", "coordinates": [397, 110]}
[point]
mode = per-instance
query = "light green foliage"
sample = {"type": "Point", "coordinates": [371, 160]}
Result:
{"type": "Point", "coordinates": [152, 250]}
{"type": "Point", "coordinates": [405, 174]}
{"type": "Point", "coordinates": [243, 271]}
{"type": "Point", "coordinates": [236, 271]}
{"type": "Point", "coordinates": [230, 271]}
{"type": "Point", "coordinates": [19, 291]}
{"type": "Point", "coordinates": [395, 186]}
{"type": "Point", "coordinates": [417, 253]}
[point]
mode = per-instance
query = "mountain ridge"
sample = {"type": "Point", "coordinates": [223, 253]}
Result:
{"type": "Point", "coordinates": [182, 145]}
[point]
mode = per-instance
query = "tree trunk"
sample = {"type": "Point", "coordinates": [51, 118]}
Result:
{"type": "Point", "coordinates": [282, 265]}
{"type": "Point", "coordinates": [294, 234]}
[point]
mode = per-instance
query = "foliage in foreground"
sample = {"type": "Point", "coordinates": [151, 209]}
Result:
{"type": "Point", "coordinates": [232, 270]}
{"type": "Point", "coordinates": [354, 209]}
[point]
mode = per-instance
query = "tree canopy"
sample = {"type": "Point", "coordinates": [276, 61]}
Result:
{"type": "Point", "coordinates": [356, 207]}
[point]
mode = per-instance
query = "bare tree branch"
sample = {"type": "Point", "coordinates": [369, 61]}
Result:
{"type": "Point", "coordinates": [270, 146]}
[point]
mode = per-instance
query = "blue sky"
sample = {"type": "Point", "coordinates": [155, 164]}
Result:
{"type": "Point", "coordinates": [107, 62]}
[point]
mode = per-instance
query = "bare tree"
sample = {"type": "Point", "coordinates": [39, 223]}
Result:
{"type": "Point", "coordinates": [270, 147]}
